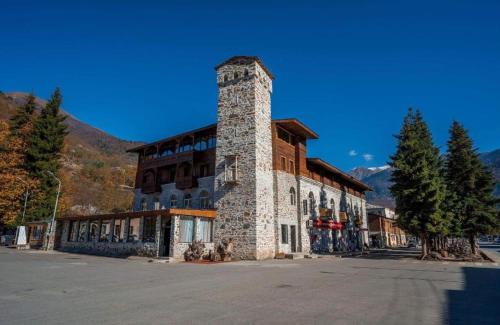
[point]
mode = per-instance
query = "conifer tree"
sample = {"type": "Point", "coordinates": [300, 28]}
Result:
{"type": "Point", "coordinates": [470, 188]}
{"type": "Point", "coordinates": [44, 152]}
{"type": "Point", "coordinates": [418, 187]}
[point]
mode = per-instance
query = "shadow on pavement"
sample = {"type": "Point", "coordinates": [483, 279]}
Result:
{"type": "Point", "coordinates": [478, 302]}
{"type": "Point", "coordinates": [389, 254]}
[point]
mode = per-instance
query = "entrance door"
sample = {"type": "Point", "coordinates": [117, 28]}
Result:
{"type": "Point", "coordinates": [166, 238]}
{"type": "Point", "coordinates": [293, 239]}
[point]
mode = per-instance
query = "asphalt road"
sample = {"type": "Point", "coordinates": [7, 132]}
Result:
{"type": "Point", "coordinates": [41, 288]}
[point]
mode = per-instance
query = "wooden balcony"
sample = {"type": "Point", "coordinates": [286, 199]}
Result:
{"type": "Point", "coordinates": [183, 183]}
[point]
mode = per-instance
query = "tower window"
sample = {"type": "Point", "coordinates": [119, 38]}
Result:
{"type": "Point", "coordinates": [226, 78]}
{"type": "Point", "coordinates": [246, 72]}
{"type": "Point", "coordinates": [236, 75]}
{"type": "Point", "coordinates": [231, 169]}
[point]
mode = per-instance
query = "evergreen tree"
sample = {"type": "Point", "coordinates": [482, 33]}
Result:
{"type": "Point", "coordinates": [418, 186]}
{"type": "Point", "coordinates": [23, 117]}
{"type": "Point", "coordinates": [43, 154]}
{"type": "Point", "coordinates": [470, 188]}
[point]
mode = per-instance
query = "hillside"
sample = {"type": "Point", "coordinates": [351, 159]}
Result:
{"type": "Point", "coordinates": [98, 175]}
{"type": "Point", "coordinates": [378, 178]}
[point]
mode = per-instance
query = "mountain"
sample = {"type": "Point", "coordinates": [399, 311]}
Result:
{"type": "Point", "coordinates": [378, 178]}
{"type": "Point", "coordinates": [97, 174]}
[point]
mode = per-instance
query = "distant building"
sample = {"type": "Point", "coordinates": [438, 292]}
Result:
{"type": "Point", "coordinates": [247, 178]}
{"type": "Point", "coordinates": [383, 228]}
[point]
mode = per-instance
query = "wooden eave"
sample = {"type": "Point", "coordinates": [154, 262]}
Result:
{"type": "Point", "coordinates": [323, 164]}
{"type": "Point", "coordinates": [181, 135]}
{"type": "Point", "coordinates": [206, 213]}
{"type": "Point", "coordinates": [294, 126]}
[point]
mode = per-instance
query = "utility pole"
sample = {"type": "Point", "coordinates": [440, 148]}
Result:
{"type": "Point", "coordinates": [26, 194]}
{"type": "Point", "coordinates": [52, 224]}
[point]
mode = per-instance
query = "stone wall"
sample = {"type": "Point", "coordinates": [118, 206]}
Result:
{"type": "Point", "coordinates": [245, 209]}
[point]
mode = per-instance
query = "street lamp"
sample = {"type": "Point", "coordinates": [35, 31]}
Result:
{"type": "Point", "coordinates": [57, 200]}
{"type": "Point", "coordinates": [26, 194]}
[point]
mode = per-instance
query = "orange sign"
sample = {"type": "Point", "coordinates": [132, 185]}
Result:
{"type": "Point", "coordinates": [343, 216]}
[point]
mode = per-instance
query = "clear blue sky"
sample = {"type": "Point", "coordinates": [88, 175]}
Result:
{"type": "Point", "coordinates": [143, 70]}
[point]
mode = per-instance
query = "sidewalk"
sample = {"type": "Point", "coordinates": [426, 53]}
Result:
{"type": "Point", "coordinates": [491, 251]}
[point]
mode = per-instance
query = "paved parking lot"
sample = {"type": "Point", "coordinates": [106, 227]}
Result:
{"type": "Point", "coordinates": [41, 288]}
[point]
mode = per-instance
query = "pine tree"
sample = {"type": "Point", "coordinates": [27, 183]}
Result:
{"type": "Point", "coordinates": [418, 187]}
{"type": "Point", "coordinates": [43, 155]}
{"type": "Point", "coordinates": [470, 188]}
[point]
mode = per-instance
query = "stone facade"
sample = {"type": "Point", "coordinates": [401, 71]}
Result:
{"type": "Point", "coordinates": [245, 203]}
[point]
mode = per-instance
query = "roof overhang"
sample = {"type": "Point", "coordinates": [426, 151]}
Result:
{"type": "Point", "coordinates": [338, 172]}
{"type": "Point", "coordinates": [296, 127]}
{"type": "Point", "coordinates": [205, 213]}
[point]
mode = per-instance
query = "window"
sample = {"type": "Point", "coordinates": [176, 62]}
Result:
{"type": "Point", "coordinates": [105, 230]}
{"type": "Point", "coordinates": [283, 163]}
{"type": "Point", "coordinates": [186, 145]}
{"type": "Point", "coordinates": [73, 231]}
{"type": "Point", "coordinates": [332, 205]}
{"type": "Point", "coordinates": [186, 170]}
{"type": "Point", "coordinates": [284, 135]}
{"type": "Point", "coordinates": [246, 72]}
{"type": "Point", "coordinates": [37, 232]}
{"type": "Point", "coordinates": [94, 227]}
{"type": "Point", "coordinates": [292, 196]}
{"type": "Point", "coordinates": [236, 75]}
{"type": "Point", "coordinates": [212, 141]}
{"type": "Point", "coordinates": [173, 201]}
{"type": "Point", "coordinates": [171, 174]}
{"type": "Point", "coordinates": [205, 230]}
{"type": "Point", "coordinates": [144, 204]}
{"type": "Point", "coordinates": [231, 169]}
{"type": "Point", "coordinates": [187, 201]}
{"type": "Point", "coordinates": [149, 229]}
{"type": "Point", "coordinates": [82, 233]}
{"type": "Point", "coordinates": [226, 78]}
{"type": "Point", "coordinates": [204, 170]}
{"type": "Point", "coordinates": [186, 230]}
{"type": "Point", "coordinates": [284, 234]}
{"type": "Point", "coordinates": [119, 231]}
{"type": "Point", "coordinates": [156, 203]}
{"type": "Point", "coordinates": [304, 207]}
{"type": "Point", "coordinates": [291, 167]}
{"type": "Point", "coordinates": [311, 202]}
{"type": "Point", "coordinates": [204, 200]}
{"type": "Point", "coordinates": [150, 153]}
{"type": "Point", "coordinates": [133, 229]}
{"type": "Point", "coordinates": [167, 150]}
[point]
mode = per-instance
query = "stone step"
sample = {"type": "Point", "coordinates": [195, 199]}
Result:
{"type": "Point", "coordinates": [294, 256]}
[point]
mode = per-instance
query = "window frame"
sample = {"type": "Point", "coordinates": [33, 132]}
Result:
{"type": "Point", "coordinates": [284, 234]}
{"type": "Point", "coordinates": [149, 229]}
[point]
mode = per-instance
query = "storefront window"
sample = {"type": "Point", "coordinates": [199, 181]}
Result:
{"type": "Point", "coordinates": [205, 230]}
{"type": "Point", "coordinates": [105, 230]}
{"type": "Point", "coordinates": [186, 226]}
{"type": "Point", "coordinates": [133, 229]}
{"type": "Point", "coordinates": [82, 233]}
{"type": "Point", "coordinates": [119, 231]}
{"type": "Point", "coordinates": [149, 232]}
{"type": "Point", "coordinates": [94, 226]}
{"type": "Point", "coordinates": [73, 231]}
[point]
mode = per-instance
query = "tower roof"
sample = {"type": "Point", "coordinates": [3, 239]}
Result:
{"type": "Point", "coordinates": [241, 59]}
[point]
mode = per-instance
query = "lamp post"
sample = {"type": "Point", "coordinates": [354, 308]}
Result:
{"type": "Point", "coordinates": [57, 200]}
{"type": "Point", "coordinates": [26, 194]}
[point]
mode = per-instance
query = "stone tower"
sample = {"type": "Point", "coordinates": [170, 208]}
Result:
{"type": "Point", "coordinates": [243, 177]}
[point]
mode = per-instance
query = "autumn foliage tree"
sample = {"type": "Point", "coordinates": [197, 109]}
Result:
{"type": "Point", "coordinates": [14, 179]}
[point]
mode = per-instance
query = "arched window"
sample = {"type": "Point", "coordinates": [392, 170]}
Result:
{"type": "Point", "coordinates": [173, 201]}
{"type": "Point", "coordinates": [293, 198]}
{"type": "Point", "coordinates": [144, 204]}
{"type": "Point", "coordinates": [187, 201]}
{"type": "Point", "coordinates": [204, 200]}
{"type": "Point", "coordinates": [311, 202]}
{"type": "Point", "coordinates": [332, 205]}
